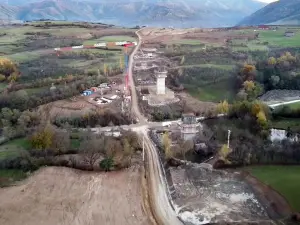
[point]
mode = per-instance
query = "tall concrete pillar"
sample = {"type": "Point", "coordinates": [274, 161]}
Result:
{"type": "Point", "coordinates": [161, 82]}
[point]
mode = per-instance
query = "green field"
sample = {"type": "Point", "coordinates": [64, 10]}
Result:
{"type": "Point", "coordinates": [294, 106]}
{"type": "Point", "coordinates": [25, 56]}
{"type": "Point", "coordinates": [75, 143]}
{"type": "Point", "coordinates": [8, 176]}
{"type": "Point", "coordinates": [284, 179]}
{"type": "Point", "coordinates": [110, 39]}
{"type": "Point", "coordinates": [250, 47]}
{"type": "Point", "coordinates": [277, 38]}
{"type": "Point", "coordinates": [285, 123]}
{"type": "Point", "coordinates": [224, 67]}
{"type": "Point", "coordinates": [212, 92]}
{"type": "Point", "coordinates": [33, 91]}
{"type": "Point", "coordinates": [13, 148]}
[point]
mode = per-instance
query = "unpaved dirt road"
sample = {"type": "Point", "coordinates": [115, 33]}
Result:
{"type": "Point", "coordinates": [161, 206]}
{"type": "Point", "coordinates": [159, 201]}
{"type": "Point", "coordinates": [62, 196]}
{"type": "Point", "coordinates": [134, 100]}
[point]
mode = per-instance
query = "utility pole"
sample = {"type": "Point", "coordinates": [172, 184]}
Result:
{"type": "Point", "coordinates": [143, 149]}
{"type": "Point", "coordinates": [228, 138]}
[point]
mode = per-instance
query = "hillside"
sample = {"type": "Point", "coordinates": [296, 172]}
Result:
{"type": "Point", "coordinates": [177, 13]}
{"type": "Point", "coordinates": [283, 12]}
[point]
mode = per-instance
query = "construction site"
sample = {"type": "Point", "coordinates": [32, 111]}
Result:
{"type": "Point", "coordinates": [204, 195]}
{"type": "Point", "coordinates": [201, 194]}
{"type": "Point", "coordinates": [151, 71]}
{"type": "Point", "coordinates": [187, 193]}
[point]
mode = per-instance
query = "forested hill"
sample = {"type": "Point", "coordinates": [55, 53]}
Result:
{"type": "Point", "coordinates": [283, 12]}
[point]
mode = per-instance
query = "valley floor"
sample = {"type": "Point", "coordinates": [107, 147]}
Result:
{"type": "Point", "coordinates": [65, 196]}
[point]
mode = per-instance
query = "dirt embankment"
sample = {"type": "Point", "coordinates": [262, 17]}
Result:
{"type": "Point", "coordinates": [65, 196]}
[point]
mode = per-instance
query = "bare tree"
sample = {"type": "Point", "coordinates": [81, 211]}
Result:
{"type": "Point", "coordinates": [185, 147]}
{"type": "Point", "coordinates": [61, 141]}
{"type": "Point", "coordinates": [92, 149]}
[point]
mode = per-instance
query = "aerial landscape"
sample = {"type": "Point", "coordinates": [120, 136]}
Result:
{"type": "Point", "coordinates": [149, 112]}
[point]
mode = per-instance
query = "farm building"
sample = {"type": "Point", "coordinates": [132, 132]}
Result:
{"type": "Point", "coordinates": [263, 27]}
{"type": "Point", "coordinates": [289, 34]}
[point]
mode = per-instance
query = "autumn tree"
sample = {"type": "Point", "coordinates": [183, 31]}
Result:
{"type": "Point", "coordinates": [286, 57]}
{"type": "Point", "coordinates": [261, 119]}
{"type": "Point", "coordinates": [166, 142]}
{"type": "Point", "coordinates": [42, 139]}
{"type": "Point", "coordinates": [224, 153]}
{"type": "Point", "coordinates": [248, 86]}
{"type": "Point", "coordinates": [248, 72]}
{"type": "Point", "coordinates": [8, 69]}
{"type": "Point", "coordinates": [223, 107]}
{"type": "Point", "coordinates": [253, 90]}
{"type": "Point", "coordinates": [2, 78]}
{"type": "Point", "coordinates": [272, 61]}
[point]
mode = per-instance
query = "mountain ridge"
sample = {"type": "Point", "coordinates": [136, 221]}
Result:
{"type": "Point", "coordinates": [283, 12]}
{"type": "Point", "coordinates": [177, 13]}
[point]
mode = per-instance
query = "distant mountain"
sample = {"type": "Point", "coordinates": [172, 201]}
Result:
{"type": "Point", "coordinates": [280, 13]}
{"type": "Point", "coordinates": [177, 13]}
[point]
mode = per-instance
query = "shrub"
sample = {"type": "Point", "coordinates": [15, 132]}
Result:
{"type": "Point", "coordinates": [107, 164]}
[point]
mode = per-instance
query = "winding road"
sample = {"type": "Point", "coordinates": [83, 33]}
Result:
{"type": "Point", "coordinates": [159, 200]}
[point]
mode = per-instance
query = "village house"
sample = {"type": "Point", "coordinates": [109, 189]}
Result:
{"type": "Point", "coordinates": [289, 34]}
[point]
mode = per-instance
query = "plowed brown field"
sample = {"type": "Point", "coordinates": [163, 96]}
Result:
{"type": "Point", "coordinates": [61, 196]}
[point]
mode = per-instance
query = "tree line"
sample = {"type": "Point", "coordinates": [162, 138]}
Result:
{"type": "Point", "coordinates": [253, 79]}
{"type": "Point", "coordinates": [55, 147]}
{"type": "Point", "coordinates": [101, 118]}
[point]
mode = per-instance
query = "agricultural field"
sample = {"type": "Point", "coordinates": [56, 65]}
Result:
{"type": "Point", "coordinates": [214, 92]}
{"type": "Point", "coordinates": [82, 198]}
{"type": "Point", "coordinates": [285, 123]}
{"type": "Point", "coordinates": [14, 148]}
{"type": "Point", "coordinates": [210, 52]}
{"type": "Point", "coordinates": [294, 106]}
{"type": "Point", "coordinates": [32, 46]}
{"type": "Point", "coordinates": [9, 176]}
{"type": "Point", "coordinates": [284, 179]}
{"type": "Point", "coordinates": [275, 38]}
{"type": "Point", "coordinates": [18, 147]}
{"type": "Point", "coordinates": [187, 42]}
{"type": "Point", "coordinates": [206, 75]}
